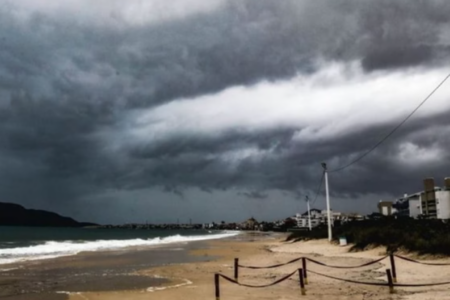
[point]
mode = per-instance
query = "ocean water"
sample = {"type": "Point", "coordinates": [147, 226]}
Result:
{"type": "Point", "coordinates": [19, 244]}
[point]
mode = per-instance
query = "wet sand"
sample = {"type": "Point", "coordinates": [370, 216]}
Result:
{"type": "Point", "coordinates": [91, 272]}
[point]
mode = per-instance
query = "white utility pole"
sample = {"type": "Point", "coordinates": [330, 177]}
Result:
{"type": "Point", "coordinates": [330, 235]}
{"type": "Point", "coordinates": [309, 213]}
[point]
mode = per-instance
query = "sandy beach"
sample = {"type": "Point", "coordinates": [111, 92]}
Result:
{"type": "Point", "coordinates": [193, 279]}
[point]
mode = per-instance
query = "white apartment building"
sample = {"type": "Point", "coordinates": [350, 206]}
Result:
{"type": "Point", "coordinates": [408, 205]}
{"type": "Point", "coordinates": [433, 202]}
{"type": "Point", "coordinates": [303, 222]}
{"type": "Point", "coordinates": [442, 204]}
{"type": "Point", "coordinates": [303, 219]}
{"type": "Point", "coordinates": [318, 217]}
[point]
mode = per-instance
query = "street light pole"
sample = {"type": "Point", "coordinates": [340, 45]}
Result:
{"type": "Point", "coordinates": [309, 213]}
{"type": "Point", "coordinates": [330, 235]}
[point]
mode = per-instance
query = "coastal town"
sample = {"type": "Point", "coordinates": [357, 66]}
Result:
{"type": "Point", "coordinates": [299, 221]}
{"type": "Point", "coordinates": [431, 203]}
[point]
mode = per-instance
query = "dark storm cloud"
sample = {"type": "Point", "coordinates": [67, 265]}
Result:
{"type": "Point", "coordinates": [241, 43]}
{"type": "Point", "coordinates": [290, 165]}
{"type": "Point", "coordinates": [402, 33]}
{"type": "Point", "coordinates": [383, 170]}
{"type": "Point", "coordinates": [276, 139]}
{"type": "Point", "coordinates": [255, 195]}
{"type": "Point", "coordinates": [63, 80]}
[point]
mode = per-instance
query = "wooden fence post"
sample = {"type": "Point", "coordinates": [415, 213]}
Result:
{"type": "Point", "coordinates": [236, 268]}
{"type": "Point", "coordinates": [391, 284]}
{"type": "Point", "coordinates": [305, 272]}
{"type": "Point", "coordinates": [302, 283]}
{"type": "Point", "coordinates": [216, 284]}
{"type": "Point", "coordinates": [394, 272]}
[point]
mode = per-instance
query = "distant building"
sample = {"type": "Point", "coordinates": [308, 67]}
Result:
{"type": "Point", "coordinates": [408, 206]}
{"type": "Point", "coordinates": [321, 217]}
{"type": "Point", "coordinates": [303, 219]}
{"type": "Point", "coordinates": [428, 198]}
{"type": "Point", "coordinates": [250, 224]}
{"type": "Point", "coordinates": [433, 202]}
{"type": "Point", "coordinates": [441, 199]}
{"type": "Point", "coordinates": [334, 216]}
{"type": "Point", "coordinates": [385, 208]}
{"type": "Point", "coordinates": [354, 217]}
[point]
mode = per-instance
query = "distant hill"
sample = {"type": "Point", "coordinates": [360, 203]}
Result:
{"type": "Point", "coordinates": [16, 215]}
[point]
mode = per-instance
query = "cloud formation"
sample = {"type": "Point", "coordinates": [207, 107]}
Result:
{"type": "Point", "coordinates": [218, 96]}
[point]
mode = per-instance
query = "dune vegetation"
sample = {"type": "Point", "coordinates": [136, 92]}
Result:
{"type": "Point", "coordinates": [421, 236]}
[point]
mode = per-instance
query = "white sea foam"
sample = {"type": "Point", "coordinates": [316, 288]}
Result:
{"type": "Point", "coordinates": [161, 288]}
{"type": "Point", "coordinates": [52, 249]}
{"type": "Point", "coordinates": [8, 269]}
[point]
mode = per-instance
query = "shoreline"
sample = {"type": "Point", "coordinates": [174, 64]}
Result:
{"type": "Point", "coordinates": [47, 252]}
{"type": "Point", "coordinates": [57, 278]}
{"type": "Point", "coordinates": [99, 271]}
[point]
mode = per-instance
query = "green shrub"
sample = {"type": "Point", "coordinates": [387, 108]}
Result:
{"type": "Point", "coordinates": [422, 236]}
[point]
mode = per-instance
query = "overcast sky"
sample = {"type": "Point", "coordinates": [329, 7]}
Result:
{"type": "Point", "coordinates": [127, 111]}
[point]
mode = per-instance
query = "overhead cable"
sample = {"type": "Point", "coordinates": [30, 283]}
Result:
{"type": "Point", "coordinates": [392, 131]}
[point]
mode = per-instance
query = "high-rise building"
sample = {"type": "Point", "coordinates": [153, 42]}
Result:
{"type": "Point", "coordinates": [428, 198]}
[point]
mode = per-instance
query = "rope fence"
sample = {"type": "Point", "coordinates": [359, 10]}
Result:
{"type": "Point", "coordinates": [381, 283]}
{"type": "Point", "coordinates": [271, 266]}
{"type": "Point", "coordinates": [346, 267]}
{"type": "Point", "coordinates": [303, 274]}
{"type": "Point", "coordinates": [350, 280]}
{"type": "Point", "coordinates": [217, 276]}
{"type": "Point", "coordinates": [422, 263]}
{"type": "Point", "coordinates": [237, 265]}
{"type": "Point", "coordinates": [258, 286]}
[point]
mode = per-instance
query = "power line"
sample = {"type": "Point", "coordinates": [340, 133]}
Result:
{"type": "Point", "coordinates": [393, 130]}
{"type": "Point", "coordinates": [318, 188]}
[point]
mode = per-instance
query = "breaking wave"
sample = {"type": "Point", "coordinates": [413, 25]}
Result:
{"type": "Point", "coordinates": [52, 249]}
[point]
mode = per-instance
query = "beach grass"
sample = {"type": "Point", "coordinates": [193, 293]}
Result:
{"type": "Point", "coordinates": [421, 236]}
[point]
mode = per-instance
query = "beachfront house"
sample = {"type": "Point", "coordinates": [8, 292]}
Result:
{"type": "Point", "coordinates": [303, 219]}
{"type": "Point", "coordinates": [250, 224]}
{"type": "Point", "coordinates": [321, 217]}
{"type": "Point", "coordinates": [303, 222]}
{"type": "Point", "coordinates": [334, 216]}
